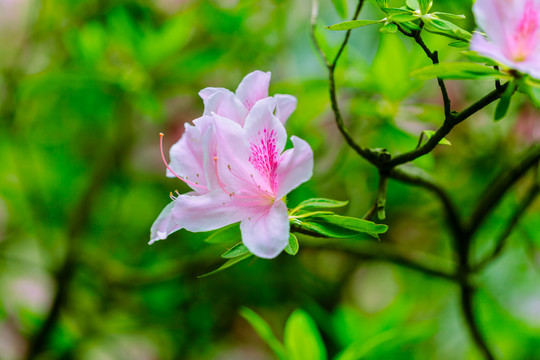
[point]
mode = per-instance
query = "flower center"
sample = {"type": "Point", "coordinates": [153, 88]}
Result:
{"type": "Point", "coordinates": [264, 156]}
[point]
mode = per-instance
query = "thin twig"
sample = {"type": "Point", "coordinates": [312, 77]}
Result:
{"type": "Point", "coordinates": [363, 152]}
{"type": "Point", "coordinates": [434, 57]}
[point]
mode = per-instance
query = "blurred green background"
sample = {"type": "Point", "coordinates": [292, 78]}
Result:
{"type": "Point", "coordinates": [85, 88]}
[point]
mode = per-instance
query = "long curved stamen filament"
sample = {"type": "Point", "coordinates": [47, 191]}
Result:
{"type": "Point", "coordinates": [171, 170]}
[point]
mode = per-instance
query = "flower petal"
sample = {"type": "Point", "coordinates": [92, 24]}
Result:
{"type": "Point", "coordinates": [164, 225]}
{"type": "Point", "coordinates": [210, 211]}
{"type": "Point", "coordinates": [253, 88]}
{"type": "Point", "coordinates": [209, 91]}
{"type": "Point", "coordinates": [226, 104]}
{"type": "Point", "coordinates": [268, 234]}
{"type": "Point", "coordinates": [295, 167]}
{"type": "Point", "coordinates": [187, 158]}
{"type": "Point", "coordinates": [286, 104]}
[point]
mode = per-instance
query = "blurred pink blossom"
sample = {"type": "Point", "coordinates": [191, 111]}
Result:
{"type": "Point", "coordinates": [513, 33]}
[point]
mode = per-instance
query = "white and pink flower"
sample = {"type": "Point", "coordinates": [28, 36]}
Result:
{"type": "Point", "coordinates": [513, 33]}
{"type": "Point", "coordinates": [238, 169]}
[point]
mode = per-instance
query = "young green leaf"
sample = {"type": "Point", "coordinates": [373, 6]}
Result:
{"type": "Point", "coordinates": [227, 265]}
{"type": "Point", "coordinates": [446, 28]}
{"type": "Point", "coordinates": [400, 18]}
{"type": "Point", "coordinates": [413, 4]}
{"type": "Point", "coordinates": [450, 16]}
{"type": "Point", "coordinates": [504, 102]}
{"type": "Point", "coordinates": [341, 7]}
{"type": "Point", "coordinates": [425, 5]}
{"type": "Point", "coordinates": [265, 332]}
{"type": "Point", "coordinates": [459, 44]}
{"type": "Point", "coordinates": [327, 230]}
{"type": "Point", "coordinates": [429, 133]}
{"type": "Point", "coordinates": [458, 70]}
{"type": "Point", "coordinates": [348, 25]}
{"type": "Point", "coordinates": [302, 338]}
{"type": "Point", "coordinates": [228, 234]}
{"type": "Point", "coordinates": [475, 57]}
{"type": "Point", "coordinates": [390, 28]}
{"type": "Point", "coordinates": [292, 247]}
{"type": "Point", "coordinates": [318, 203]}
{"type": "Point", "coordinates": [351, 223]}
{"type": "Point", "coordinates": [236, 251]}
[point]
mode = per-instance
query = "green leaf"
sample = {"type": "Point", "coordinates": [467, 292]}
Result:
{"type": "Point", "coordinates": [450, 16]}
{"type": "Point", "coordinates": [390, 28]}
{"type": "Point", "coordinates": [292, 247]}
{"type": "Point", "coordinates": [504, 102]}
{"type": "Point", "coordinates": [327, 230]}
{"type": "Point", "coordinates": [359, 349]}
{"type": "Point", "coordinates": [228, 234]}
{"type": "Point", "coordinates": [458, 70]}
{"type": "Point", "coordinates": [264, 331]}
{"type": "Point", "coordinates": [237, 250]}
{"type": "Point", "coordinates": [429, 133]}
{"type": "Point", "coordinates": [227, 265]}
{"type": "Point", "coordinates": [531, 87]}
{"type": "Point", "coordinates": [446, 28]}
{"type": "Point", "coordinates": [320, 203]}
{"type": "Point", "coordinates": [459, 44]}
{"type": "Point", "coordinates": [341, 7]}
{"type": "Point", "coordinates": [400, 18]}
{"type": "Point", "coordinates": [425, 5]}
{"type": "Point", "coordinates": [351, 223]}
{"type": "Point", "coordinates": [302, 338]}
{"type": "Point", "coordinates": [475, 57]}
{"type": "Point", "coordinates": [413, 4]}
{"type": "Point", "coordinates": [347, 25]}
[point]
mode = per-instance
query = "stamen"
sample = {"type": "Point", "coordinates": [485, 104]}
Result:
{"type": "Point", "coordinates": [171, 170]}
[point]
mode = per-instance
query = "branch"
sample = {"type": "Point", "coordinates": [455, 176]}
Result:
{"type": "Point", "coordinates": [434, 57]}
{"type": "Point", "coordinates": [447, 126]}
{"type": "Point", "coordinates": [363, 152]}
{"type": "Point", "coordinates": [500, 186]}
{"type": "Point", "coordinates": [502, 240]}
{"type": "Point", "coordinates": [387, 253]}
{"type": "Point", "coordinates": [422, 180]}
{"type": "Point", "coordinates": [467, 293]}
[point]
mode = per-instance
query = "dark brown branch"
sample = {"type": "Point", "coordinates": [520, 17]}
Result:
{"type": "Point", "coordinates": [467, 294]}
{"type": "Point", "coordinates": [501, 184]}
{"type": "Point", "coordinates": [419, 179]}
{"type": "Point", "coordinates": [502, 240]}
{"type": "Point", "coordinates": [445, 129]}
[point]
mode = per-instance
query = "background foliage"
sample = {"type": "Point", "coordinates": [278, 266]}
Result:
{"type": "Point", "coordinates": [85, 88]}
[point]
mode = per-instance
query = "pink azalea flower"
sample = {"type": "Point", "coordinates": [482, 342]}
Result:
{"type": "Point", "coordinates": [513, 31]}
{"type": "Point", "coordinates": [238, 174]}
{"type": "Point", "coordinates": [236, 106]}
